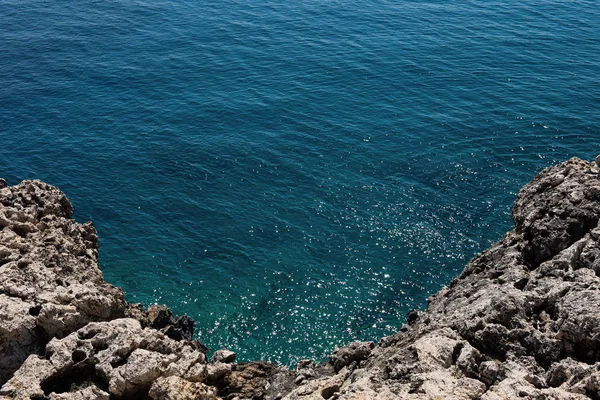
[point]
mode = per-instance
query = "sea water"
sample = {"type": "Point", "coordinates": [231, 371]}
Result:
{"type": "Point", "coordinates": [294, 174]}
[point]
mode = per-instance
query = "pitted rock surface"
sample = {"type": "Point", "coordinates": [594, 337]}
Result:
{"type": "Point", "coordinates": [67, 334]}
{"type": "Point", "coordinates": [50, 283]}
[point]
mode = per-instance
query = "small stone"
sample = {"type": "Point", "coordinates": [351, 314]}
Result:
{"type": "Point", "coordinates": [3, 183]}
{"type": "Point", "coordinates": [598, 160]}
{"type": "Point", "coordinates": [472, 387]}
{"type": "Point", "coordinates": [217, 371]}
{"type": "Point", "coordinates": [576, 196]}
{"type": "Point", "coordinates": [412, 317]}
{"type": "Point", "coordinates": [159, 316]}
{"type": "Point", "coordinates": [488, 371]}
{"type": "Point", "coordinates": [224, 356]}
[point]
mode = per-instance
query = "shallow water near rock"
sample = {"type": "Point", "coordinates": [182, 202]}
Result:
{"type": "Point", "coordinates": [294, 176]}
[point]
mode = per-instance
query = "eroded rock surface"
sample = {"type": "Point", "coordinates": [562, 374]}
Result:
{"type": "Point", "coordinates": [521, 321]}
{"type": "Point", "coordinates": [67, 334]}
{"type": "Point", "coordinates": [117, 358]}
{"type": "Point", "coordinates": [50, 283]}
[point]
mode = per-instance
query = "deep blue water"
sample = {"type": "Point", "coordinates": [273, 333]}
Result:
{"type": "Point", "coordinates": [294, 174]}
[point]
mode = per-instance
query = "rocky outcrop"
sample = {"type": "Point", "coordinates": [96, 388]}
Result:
{"type": "Point", "coordinates": [67, 334]}
{"type": "Point", "coordinates": [50, 283]}
{"type": "Point", "coordinates": [116, 358]}
{"type": "Point", "coordinates": [521, 321]}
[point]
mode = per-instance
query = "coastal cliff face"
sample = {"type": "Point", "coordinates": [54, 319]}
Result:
{"type": "Point", "coordinates": [521, 321]}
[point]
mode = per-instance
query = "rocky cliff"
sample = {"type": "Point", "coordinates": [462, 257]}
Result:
{"type": "Point", "coordinates": [521, 321]}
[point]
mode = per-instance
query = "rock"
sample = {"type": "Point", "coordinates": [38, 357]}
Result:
{"type": "Point", "coordinates": [563, 371]}
{"type": "Point", "coordinates": [178, 328]}
{"type": "Point", "coordinates": [520, 321]}
{"type": "Point", "coordinates": [412, 317]}
{"type": "Point", "coordinates": [118, 355]}
{"type": "Point", "coordinates": [217, 372]}
{"type": "Point", "coordinates": [256, 380]}
{"type": "Point", "coordinates": [3, 183]}
{"type": "Point", "coordinates": [488, 372]}
{"type": "Point", "coordinates": [304, 369]}
{"type": "Point", "coordinates": [88, 393]}
{"type": "Point", "coordinates": [18, 335]}
{"type": "Point", "coordinates": [135, 377]}
{"type": "Point", "coordinates": [224, 356]}
{"type": "Point", "coordinates": [305, 364]}
{"type": "Point", "coordinates": [353, 352]}
{"type": "Point", "coordinates": [50, 283]}
{"type": "Point", "coordinates": [176, 388]}
{"type": "Point", "coordinates": [321, 388]}
{"type": "Point", "coordinates": [159, 316]}
{"type": "Point", "coordinates": [548, 221]}
{"type": "Point", "coordinates": [26, 381]}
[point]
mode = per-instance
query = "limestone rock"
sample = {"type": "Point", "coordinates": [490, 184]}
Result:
{"type": "Point", "coordinates": [88, 393]}
{"type": "Point", "coordinates": [255, 380]}
{"type": "Point", "coordinates": [179, 328]}
{"type": "Point", "coordinates": [50, 283]}
{"type": "Point", "coordinates": [353, 352]}
{"type": "Point", "coordinates": [119, 355]}
{"type": "Point", "coordinates": [176, 388]}
{"type": "Point", "coordinates": [224, 356]}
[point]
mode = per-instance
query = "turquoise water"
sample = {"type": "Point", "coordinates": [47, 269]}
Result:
{"type": "Point", "coordinates": [294, 175]}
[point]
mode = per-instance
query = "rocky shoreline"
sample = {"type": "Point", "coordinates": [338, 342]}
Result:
{"type": "Point", "coordinates": [521, 321]}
